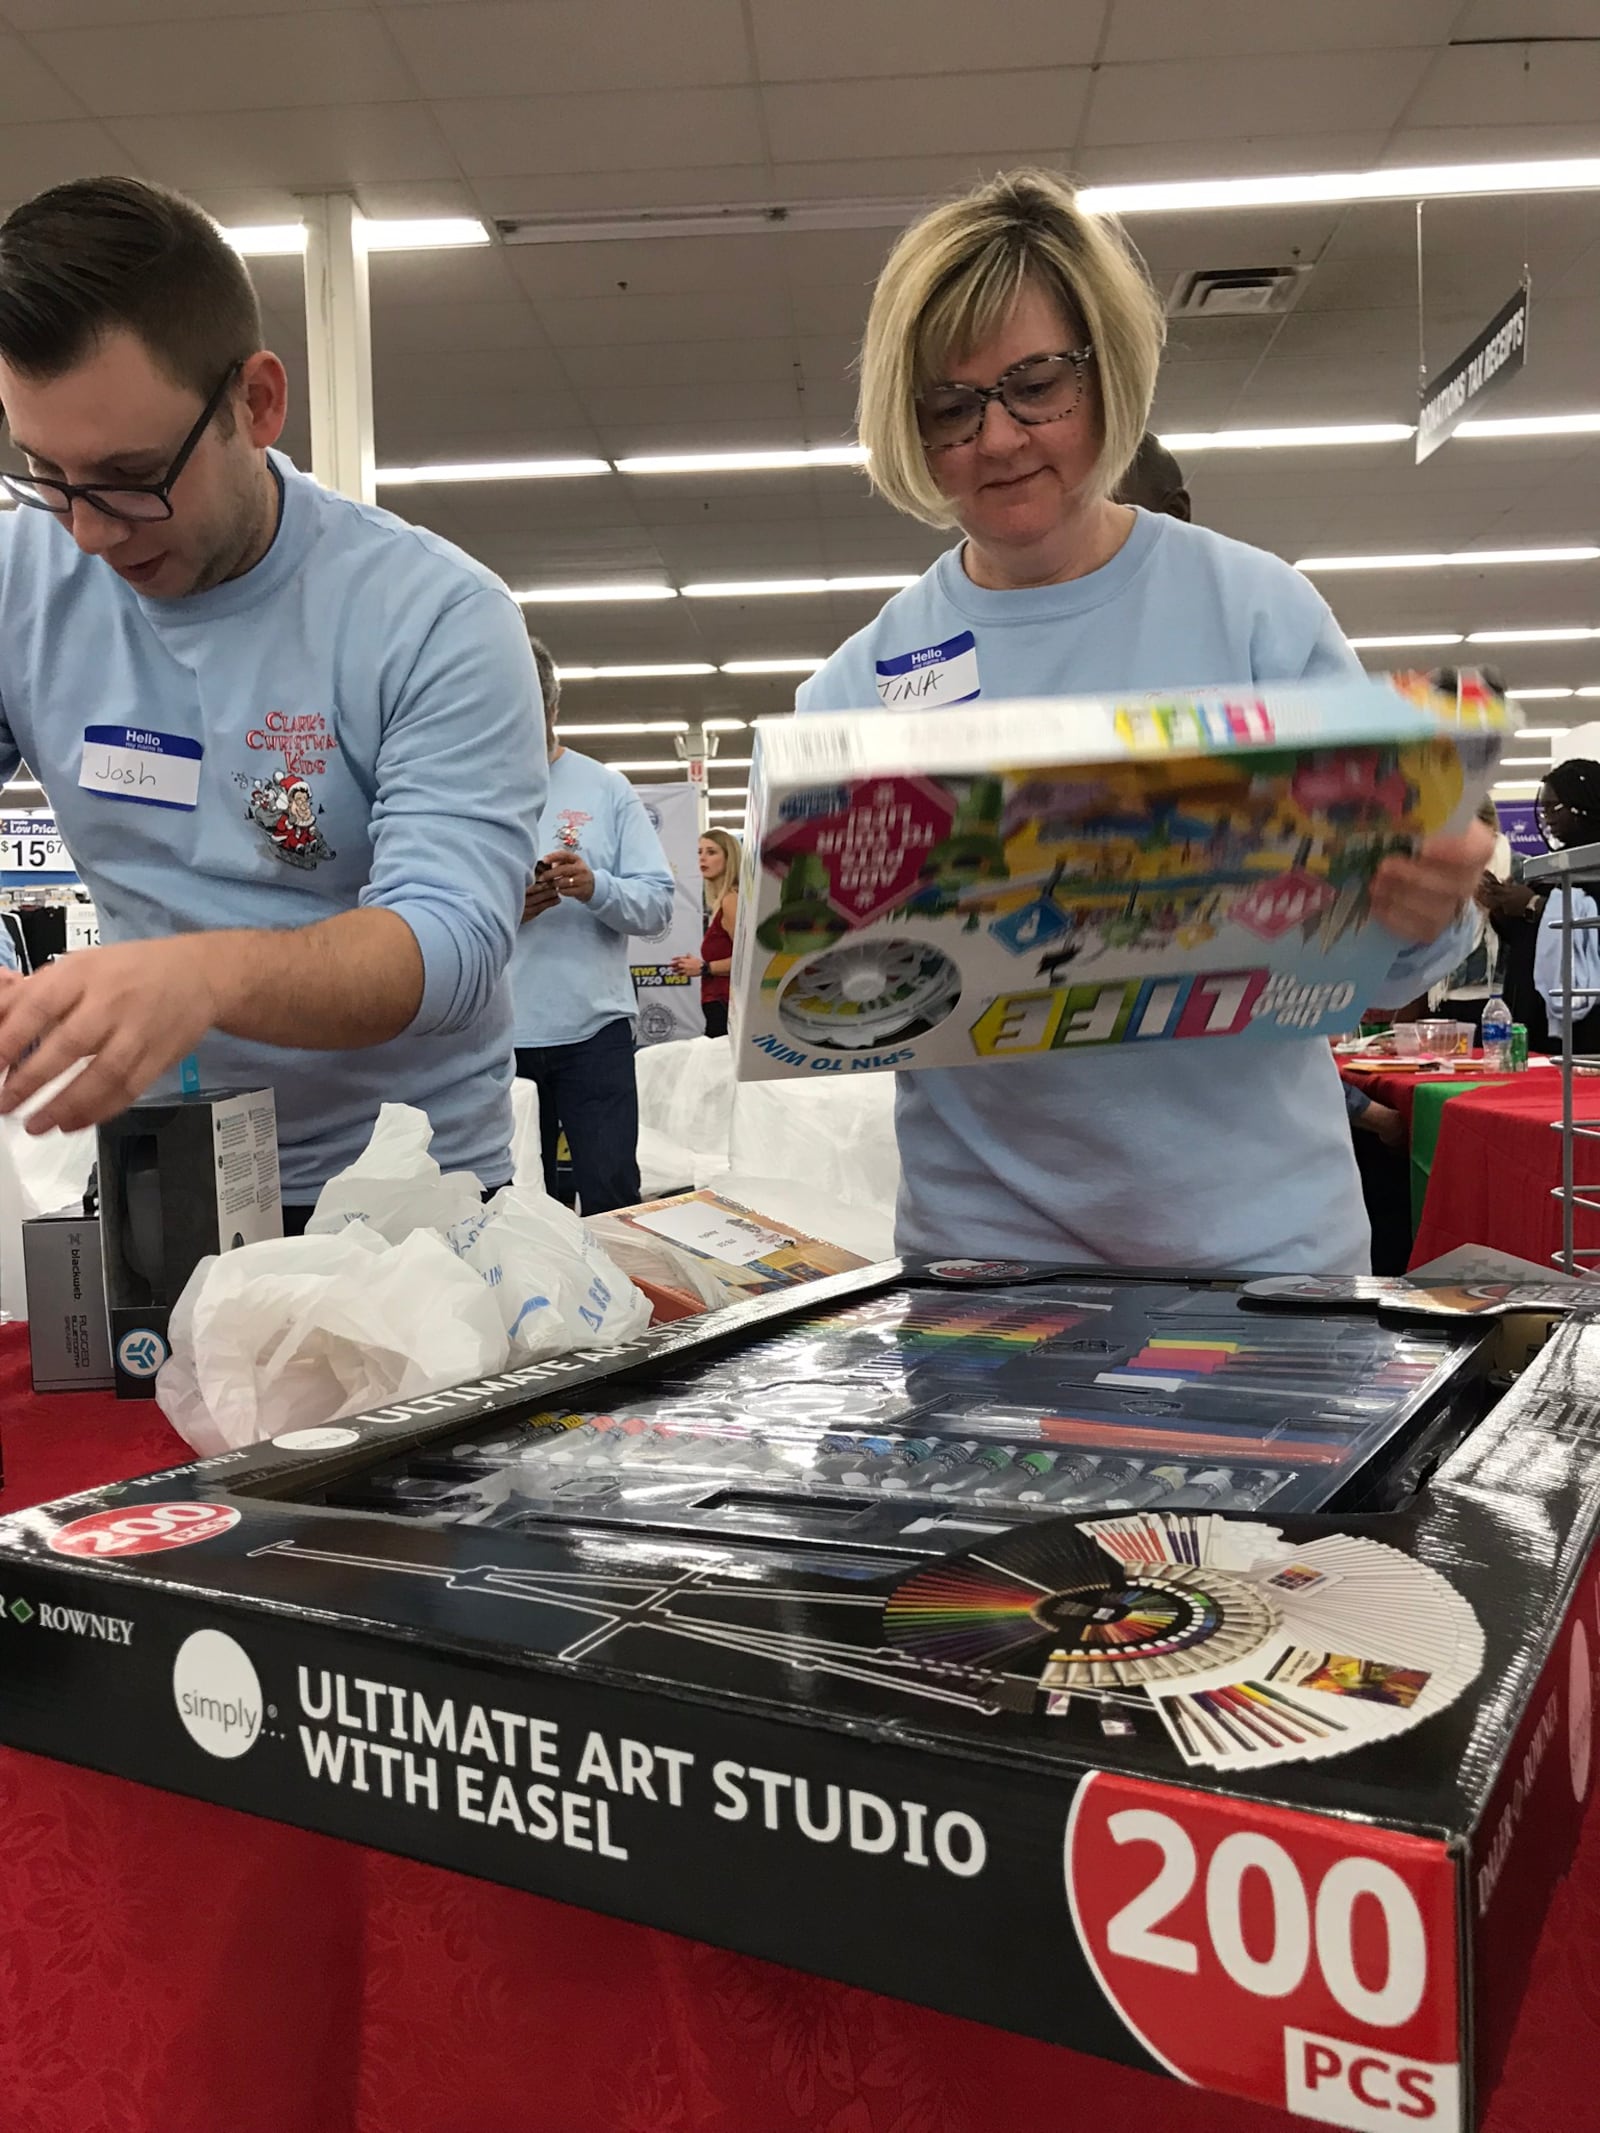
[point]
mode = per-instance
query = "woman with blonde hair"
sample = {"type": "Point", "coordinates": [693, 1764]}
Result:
{"type": "Point", "coordinates": [1007, 373]}
{"type": "Point", "coordinates": [719, 882]}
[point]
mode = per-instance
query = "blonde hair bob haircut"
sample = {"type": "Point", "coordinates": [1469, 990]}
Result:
{"type": "Point", "coordinates": [950, 282]}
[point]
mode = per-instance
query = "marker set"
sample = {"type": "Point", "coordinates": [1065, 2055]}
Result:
{"type": "Point", "coordinates": [1030, 1401]}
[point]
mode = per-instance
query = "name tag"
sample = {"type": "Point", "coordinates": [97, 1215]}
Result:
{"type": "Point", "coordinates": [928, 679]}
{"type": "Point", "coordinates": [134, 763]}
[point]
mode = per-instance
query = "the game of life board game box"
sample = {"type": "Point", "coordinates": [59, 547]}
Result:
{"type": "Point", "coordinates": [971, 886]}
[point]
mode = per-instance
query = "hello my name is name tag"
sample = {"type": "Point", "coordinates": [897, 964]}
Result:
{"type": "Point", "coordinates": [136, 763]}
{"type": "Point", "coordinates": [931, 678]}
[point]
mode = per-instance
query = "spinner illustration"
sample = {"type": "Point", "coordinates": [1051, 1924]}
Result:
{"type": "Point", "coordinates": [869, 992]}
{"type": "Point", "coordinates": [1248, 1650]}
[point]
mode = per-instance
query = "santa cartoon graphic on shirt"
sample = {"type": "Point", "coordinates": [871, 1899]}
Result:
{"type": "Point", "coordinates": [284, 808]}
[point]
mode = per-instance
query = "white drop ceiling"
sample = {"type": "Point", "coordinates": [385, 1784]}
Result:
{"type": "Point", "coordinates": [501, 108]}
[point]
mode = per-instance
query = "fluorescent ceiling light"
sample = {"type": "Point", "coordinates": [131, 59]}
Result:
{"type": "Point", "coordinates": [283, 240]}
{"type": "Point", "coordinates": [649, 673]}
{"type": "Point", "coordinates": [1524, 696]}
{"type": "Point", "coordinates": [763, 588]}
{"type": "Point", "coordinates": [1524, 762]}
{"type": "Point", "coordinates": [774, 462]}
{"type": "Point", "coordinates": [1273, 440]}
{"type": "Point", "coordinates": [667, 762]}
{"type": "Point", "coordinates": [1541, 733]}
{"type": "Point", "coordinates": [1431, 181]}
{"type": "Point", "coordinates": [496, 470]}
{"type": "Point", "coordinates": [1374, 644]}
{"type": "Point", "coordinates": [772, 666]}
{"type": "Point", "coordinates": [430, 234]}
{"type": "Point", "coordinates": [1517, 785]}
{"type": "Point", "coordinates": [725, 725]}
{"type": "Point", "coordinates": [268, 240]}
{"type": "Point", "coordinates": [1531, 426]}
{"type": "Point", "coordinates": [1446, 560]}
{"type": "Point", "coordinates": [658, 725]}
{"type": "Point", "coordinates": [1590, 691]}
{"type": "Point", "coordinates": [1560, 636]}
{"type": "Point", "coordinates": [554, 595]}
{"type": "Point", "coordinates": [731, 762]}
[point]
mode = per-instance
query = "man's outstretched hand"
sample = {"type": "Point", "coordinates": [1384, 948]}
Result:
{"type": "Point", "coordinates": [131, 1012]}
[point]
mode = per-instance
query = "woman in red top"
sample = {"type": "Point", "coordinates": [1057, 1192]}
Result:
{"type": "Point", "coordinates": [719, 876]}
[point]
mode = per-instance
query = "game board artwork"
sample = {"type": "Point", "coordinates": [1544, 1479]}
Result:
{"type": "Point", "coordinates": [1149, 891]}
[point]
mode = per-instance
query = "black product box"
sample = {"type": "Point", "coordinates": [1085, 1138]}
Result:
{"type": "Point", "coordinates": [1251, 1754]}
{"type": "Point", "coordinates": [181, 1177]}
{"type": "Point", "coordinates": [67, 1336]}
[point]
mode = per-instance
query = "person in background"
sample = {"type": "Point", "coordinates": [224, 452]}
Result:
{"type": "Point", "coordinates": [1569, 814]}
{"type": "Point", "coordinates": [1154, 481]}
{"type": "Point", "coordinates": [1462, 996]}
{"type": "Point", "coordinates": [719, 877]}
{"type": "Point", "coordinates": [327, 714]}
{"type": "Point", "coordinates": [9, 958]}
{"type": "Point", "coordinates": [603, 877]}
{"type": "Point", "coordinates": [1007, 374]}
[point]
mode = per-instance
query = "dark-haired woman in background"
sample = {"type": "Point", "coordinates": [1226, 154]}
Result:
{"type": "Point", "coordinates": [1569, 814]}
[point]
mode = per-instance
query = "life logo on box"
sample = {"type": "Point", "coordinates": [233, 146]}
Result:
{"type": "Point", "coordinates": [150, 1531]}
{"type": "Point", "coordinates": [1283, 1957]}
{"type": "Point", "coordinates": [931, 678]}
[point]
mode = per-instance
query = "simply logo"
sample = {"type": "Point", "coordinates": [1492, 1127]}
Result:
{"type": "Point", "coordinates": [218, 1694]}
{"type": "Point", "coordinates": [141, 1353]}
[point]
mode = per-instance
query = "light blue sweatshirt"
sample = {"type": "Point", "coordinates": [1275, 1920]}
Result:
{"type": "Point", "coordinates": [570, 973]}
{"type": "Point", "coordinates": [356, 721]}
{"type": "Point", "coordinates": [1239, 1159]}
{"type": "Point", "coordinates": [1585, 959]}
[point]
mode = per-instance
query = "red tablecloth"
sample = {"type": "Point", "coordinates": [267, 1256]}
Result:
{"type": "Point", "coordinates": [1385, 1086]}
{"type": "Point", "coordinates": [1496, 1163]}
{"type": "Point", "coordinates": [170, 1967]}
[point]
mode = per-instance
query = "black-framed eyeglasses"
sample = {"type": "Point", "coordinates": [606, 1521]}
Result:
{"type": "Point", "coordinates": [138, 501]}
{"type": "Point", "coordinates": [1045, 388]}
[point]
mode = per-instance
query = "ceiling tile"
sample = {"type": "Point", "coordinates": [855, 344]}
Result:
{"type": "Point", "coordinates": [324, 148]}
{"type": "Point", "coordinates": [33, 157]}
{"type": "Point", "coordinates": [29, 91]}
{"type": "Point", "coordinates": [594, 192]}
{"type": "Point", "coordinates": [259, 63]}
{"type": "Point", "coordinates": [609, 321]}
{"type": "Point", "coordinates": [1209, 100]}
{"type": "Point", "coordinates": [31, 15]}
{"type": "Point", "coordinates": [845, 40]}
{"type": "Point", "coordinates": [663, 266]}
{"type": "Point", "coordinates": [1260, 153]}
{"type": "Point", "coordinates": [988, 112]}
{"type": "Point", "coordinates": [550, 47]}
{"type": "Point", "coordinates": [1526, 18]}
{"type": "Point", "coordinates": [1521, 85]}
{"type": "Point", "coordinates": [1173, 29]}
{"type": "Point", "coordinates": [861, 176]}
{"type": "Point", "coordinates": [628, 130]}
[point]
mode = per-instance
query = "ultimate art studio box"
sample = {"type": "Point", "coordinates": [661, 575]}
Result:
{"type": "Point", "coordinates": [1135, 1664]}
{"type": "Point", "coordinates": [1004, 881]}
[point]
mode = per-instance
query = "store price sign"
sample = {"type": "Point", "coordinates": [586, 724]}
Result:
{"type": "Point", "coordinates": [31, 846]}
{"type": "Point", "coordinates": [1291, 1959]}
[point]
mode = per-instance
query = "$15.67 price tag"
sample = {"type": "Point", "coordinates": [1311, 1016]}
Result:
{"type": "Point", "coordinates": [1301, 1962]}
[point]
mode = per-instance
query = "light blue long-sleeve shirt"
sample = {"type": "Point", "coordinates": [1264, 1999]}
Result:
{"type": "Point", "coordinates": [357, 723]}
{"type": "Point", "coordinates": [8, 955]}
{"type": "Point", "coordinates": [1585, 958]}
{"type": "Point", "coordinates": [570, 973]}
{"type": "Point", "coordinates": [1239, 1159]}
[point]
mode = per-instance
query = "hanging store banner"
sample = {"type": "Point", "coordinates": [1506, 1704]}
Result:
{"type": "Point", "coordinates": [669, 1004]}
{"type": "Point", "coordinates": [1520, 821]}
{"type": "Point", "coordinates": [1489, 360]}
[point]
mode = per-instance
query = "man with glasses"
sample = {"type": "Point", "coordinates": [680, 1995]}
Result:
{"type": "Point", "coordinates": [291, 741]}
